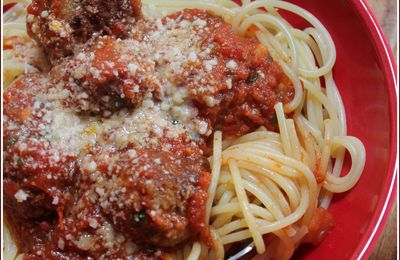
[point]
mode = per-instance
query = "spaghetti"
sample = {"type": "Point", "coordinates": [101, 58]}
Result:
{"type": "Point", "coordinates": [265, 186]}
{"type": "Point", "coordinates": [20, 53]}
{"type": "Point", "coordinates": [265, 183]}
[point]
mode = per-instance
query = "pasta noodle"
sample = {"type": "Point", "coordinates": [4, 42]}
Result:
{"type": "Point", "coordinates": [14, 25]}
{"type": "Point", "coordinates": [23, 59]}
{"type": "Point", "coordinates": [317, 133]}
{"type": "Point", "coordinates": [263, 183]}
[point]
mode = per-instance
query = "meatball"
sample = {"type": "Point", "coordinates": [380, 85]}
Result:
{"type": "Point", "coordinates": [106, 77]}
{"type": "Point", "coordinates": [60, 26]}
{"type": "Point", "coordinates": [148, 193]}
{"type": "Point", "coordinates": [36, 173]}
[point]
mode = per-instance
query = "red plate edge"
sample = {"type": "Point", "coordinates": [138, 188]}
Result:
{"type": "Point", "coordinates": [388, 64]}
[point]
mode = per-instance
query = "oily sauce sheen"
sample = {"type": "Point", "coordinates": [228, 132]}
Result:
{"type": "Point", "coordinates": [105, 156]}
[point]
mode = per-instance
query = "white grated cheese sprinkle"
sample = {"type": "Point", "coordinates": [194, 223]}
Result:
{"type": "Point", "coordinates": [132, 67]}
{"type": "Point", "coordinates": [61, 244]}
{"type": "Point", "coordinates": [231, 64]}
{"type": "Point", "coordinates": [91, 167]}
{"type": "Point", "coordinates": [93, 223]}
{"type": "Point", "coordinates": [200, 23]}
{"type": "Point", "coordinates": [203, 127]}
{"type": "Point", "coordinates": [100, 191]}
{"type": "Point", "coordinates": [132, 153]}
{"type": "Point", "coordinates": [192, 56]}
{"type": "Point", "coordinates": [81, 56]}
{"type": "Point", "coordinates": [210, 63]}
{"type": "Point", "coordinates": [21, 196]}
{"type": "Point", "coordinates": [55, 200]}
{"type": "Point", "coordinates": [229, 83]}
{"type": "Point", "coordinates": [44, 14]}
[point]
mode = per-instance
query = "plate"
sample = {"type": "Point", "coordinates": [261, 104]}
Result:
{"type": "Point", "coordinates": [365, 74]}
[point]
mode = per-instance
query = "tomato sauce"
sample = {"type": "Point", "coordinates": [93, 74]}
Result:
{"type": "Point", "coordinates": [320, 226]}
{"type": "Point", "coordinates": [112, 198]}
{"type": "Point", "coordinates": [257, 82]}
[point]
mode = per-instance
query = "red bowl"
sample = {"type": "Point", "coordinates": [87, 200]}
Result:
{"type": "Point", "coordinates": [365, 74]}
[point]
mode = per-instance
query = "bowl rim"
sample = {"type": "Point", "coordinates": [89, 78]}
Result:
{"type": "Point", "coordinates": [388, 65]}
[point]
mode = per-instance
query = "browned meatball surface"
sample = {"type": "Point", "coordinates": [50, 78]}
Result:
{"type": "Point", "coordinates": [62, 25]}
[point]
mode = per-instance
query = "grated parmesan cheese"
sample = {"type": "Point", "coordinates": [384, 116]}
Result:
{"type": "Point", "coordinates": [231, 64]}
{"type": "Point", "coordinates": [132, 67]}
{"type": "Point", "coordinates": [55, 200]}
{"type": "Point", "coordinates": [21, 196]}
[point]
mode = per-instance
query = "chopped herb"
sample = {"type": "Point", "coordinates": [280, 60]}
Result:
{"type": "Point", "coordinates": [269, 58]}
{"type": "Point", "coordinates": [11, 141]}
{"type": "Point", "coordinates": [20, 161]}
{"type": "Point", "coordinates": [139, 217]}
{"type": "Point", "coordinates": [175, 122]}
{"type": "Point", "coordinates": [253, 77]}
